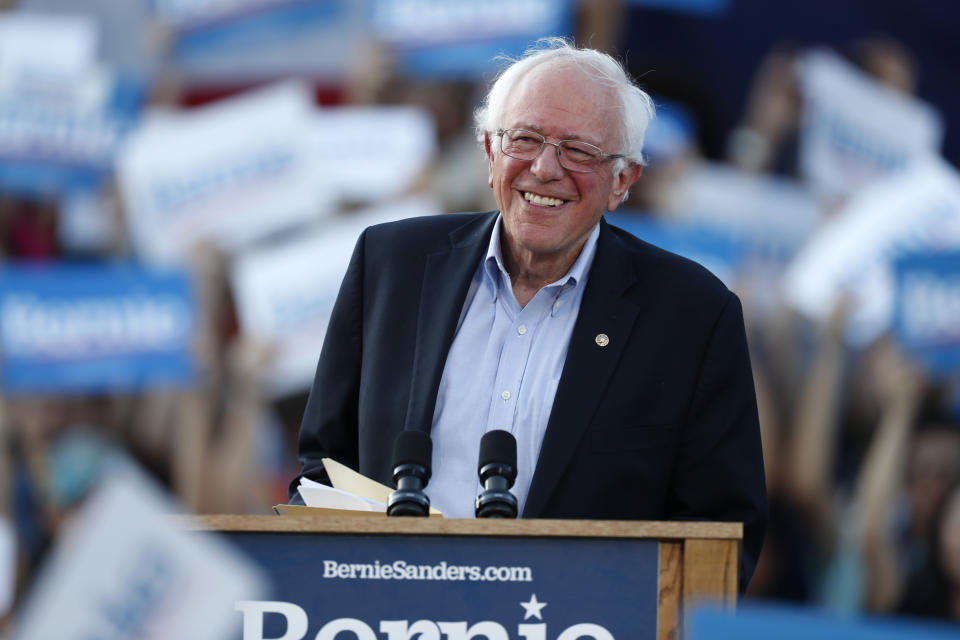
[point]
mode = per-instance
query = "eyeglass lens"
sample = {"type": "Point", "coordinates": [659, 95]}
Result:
{"type": "Point", "coordinates": [574, 155]}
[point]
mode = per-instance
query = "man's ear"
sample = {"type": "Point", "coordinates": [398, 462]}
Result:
{"type": "Point", "coordinates": [622, 183]}
{"type": "Point", "coordinates": [488, 147]}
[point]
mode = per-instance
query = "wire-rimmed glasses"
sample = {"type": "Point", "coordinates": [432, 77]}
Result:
{"type": "Point", "coordinates": [574, 155]}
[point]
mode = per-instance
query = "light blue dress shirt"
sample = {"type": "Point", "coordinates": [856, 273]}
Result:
{"type": "Point", "coordinates": [501, 373]}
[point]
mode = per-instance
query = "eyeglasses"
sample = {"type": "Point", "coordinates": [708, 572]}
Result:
{"type": "Point", "coordinates": [574, 155]}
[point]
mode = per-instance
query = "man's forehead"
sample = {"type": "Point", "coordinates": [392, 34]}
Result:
{"type": "Point", "coordinates": [561, 100]}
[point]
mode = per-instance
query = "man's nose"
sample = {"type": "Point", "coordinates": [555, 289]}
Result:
{"type": "Point", "coordinates": [546, 166]}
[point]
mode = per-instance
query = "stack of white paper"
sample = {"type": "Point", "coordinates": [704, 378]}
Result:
{"type": "Point", "coordinates": [315, 494]}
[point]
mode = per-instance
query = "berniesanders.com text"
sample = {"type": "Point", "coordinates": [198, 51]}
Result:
{"type": "Point", "coordinates": [402, 570]}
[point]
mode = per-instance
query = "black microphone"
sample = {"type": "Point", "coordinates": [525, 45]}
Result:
{"type": "Point", "coordinates": [412, 452]}
{"type": "Point", "coordinates": [498, 469]}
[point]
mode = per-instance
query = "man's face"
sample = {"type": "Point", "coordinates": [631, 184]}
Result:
{"type": "Point", "coordinates": [561, 103]}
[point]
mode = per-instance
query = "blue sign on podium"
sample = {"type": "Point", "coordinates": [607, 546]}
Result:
{"type": "Point", "coordinates": [375, 587]}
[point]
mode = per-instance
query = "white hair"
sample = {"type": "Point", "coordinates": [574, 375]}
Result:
{"type": "Point", "coordinates": [636, 107]}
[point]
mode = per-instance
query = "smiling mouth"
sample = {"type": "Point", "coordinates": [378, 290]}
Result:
{"type": "Point", "coordinates": [544, 201]}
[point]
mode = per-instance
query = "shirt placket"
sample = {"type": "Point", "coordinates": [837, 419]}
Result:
{"type": "Point", "coordinates": [514, 356]}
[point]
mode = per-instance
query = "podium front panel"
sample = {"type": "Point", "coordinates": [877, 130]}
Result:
{"type": "Point", "coordinates": [458, 587]}
{"type": "Point", "coordinates": [349, 577]}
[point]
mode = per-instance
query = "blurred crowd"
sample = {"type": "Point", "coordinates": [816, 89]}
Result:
{"type": "Point", "coordinates": [861, 426]}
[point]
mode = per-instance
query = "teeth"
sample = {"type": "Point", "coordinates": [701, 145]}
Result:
{"type": "Point", "coordinates": [542, 200]}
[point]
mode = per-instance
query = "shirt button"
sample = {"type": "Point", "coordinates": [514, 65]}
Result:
{"type": "Point", "coordinates": [505, 395]}
{"type": "Point", "coordinates": [556, 305]}
{"type": "Point", "coordinates": [522, 329]}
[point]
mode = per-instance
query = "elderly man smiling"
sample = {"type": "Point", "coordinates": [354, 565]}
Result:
{"type": "Point", "coordinates": [622, 370]}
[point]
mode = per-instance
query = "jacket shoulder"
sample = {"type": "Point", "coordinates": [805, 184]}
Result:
{"type": "Point", "coordinates": [427, 226]}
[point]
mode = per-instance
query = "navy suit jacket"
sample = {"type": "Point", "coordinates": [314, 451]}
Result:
{"type": "Point", "coordinates": [661, 423]}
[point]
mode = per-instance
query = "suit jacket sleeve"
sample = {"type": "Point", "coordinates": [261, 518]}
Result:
{"type": "Point", "coordinates": [719, 469]}
{"type": "Point", "coordinates": [329, 427]}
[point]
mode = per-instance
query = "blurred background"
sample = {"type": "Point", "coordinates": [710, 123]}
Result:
{"type": "Point", "coordinates": [182, 182]}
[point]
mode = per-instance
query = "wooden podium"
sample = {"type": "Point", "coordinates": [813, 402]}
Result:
{"type": "Point", "coordinates": [696, 560]}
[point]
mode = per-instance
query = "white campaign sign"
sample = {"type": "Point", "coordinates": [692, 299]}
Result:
{"type": "Point", "coordinates": [370, 153]}
{"type": "Point", "coordinates": [46, 43]}
{"type": "Point", "coordinates": [54, 96]}
{"type": "Point", "coordinates": [122, 569]}
{"type": "Point", "coordinates": [856, 130]}
{"type": "Point", "coordinates": [234, 40]}
{"type": "Point", "coordinates": [851, 255]}
{"type": "Point", "coordinates": [231, 172]}
{"type": "Point", "coordinates": [763, 209]}
{"type": "Point", "coordinates": [285, 293]}
{"type": "Point", "coordinates": [61, 118]}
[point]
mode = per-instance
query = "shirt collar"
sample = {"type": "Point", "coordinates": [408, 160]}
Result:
{"type": "Point", "coordinates": [495, 274]}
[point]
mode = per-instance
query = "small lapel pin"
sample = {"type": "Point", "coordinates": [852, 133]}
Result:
{"type": "Point", "coordinates": [602, 339]}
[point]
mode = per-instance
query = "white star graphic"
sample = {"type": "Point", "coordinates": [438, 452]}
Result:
{"type": "Point", "coordinates": [532, 607]}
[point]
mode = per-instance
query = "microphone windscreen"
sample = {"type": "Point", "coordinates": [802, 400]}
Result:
{"type": "Point", "coordinates": [498, 446]}
{"type": "Point", "coordinates": [413, 447]}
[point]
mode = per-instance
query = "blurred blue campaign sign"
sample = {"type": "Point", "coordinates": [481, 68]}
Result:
{"type": "Point", "coordinates": [184, 15]}
{"type": "Point", "coordinates": [719, 252]}
{"type": "Point", "coordinates": [94, 328]}
{"type": "Point", "coordinates": [855, 129]}
{"type": "Point", "coordinates": [50, 150]}
{"type": "Point", "coordinates": [794, 623]}
{"type": "Point", "coordinates": [852, 253]}
{"type": "Point", "coordinates": [462, 39]}
{"type": "Point", "coordinates": [927, 314]}
{"type": "Point", "coordinates": [257, 38]}
{"type": "Point", "coordinates": [62, 115]}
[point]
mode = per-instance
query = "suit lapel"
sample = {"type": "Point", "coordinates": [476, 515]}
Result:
{"type": "Point", "coordinates": [603, 310]}
{"type": "Point", "coordinates": [446, 280]}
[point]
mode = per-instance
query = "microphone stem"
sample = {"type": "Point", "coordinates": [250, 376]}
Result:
{"type": "Point", "coordinates": [496, 483]}
{"type": "Point", "coordinates": [410, 483]}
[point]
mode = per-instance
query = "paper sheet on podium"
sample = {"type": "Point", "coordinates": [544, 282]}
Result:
{"type": "Point", "coordinates": [351, 493]}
